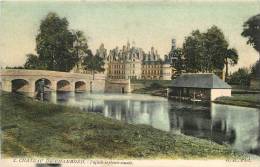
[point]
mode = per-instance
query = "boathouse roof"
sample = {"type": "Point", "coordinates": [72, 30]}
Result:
{"type": "Point", "coordinates": [209, 81]}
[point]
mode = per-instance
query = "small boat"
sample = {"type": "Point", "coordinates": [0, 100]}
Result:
{"type": "Point", "coordinates": [194, 99]}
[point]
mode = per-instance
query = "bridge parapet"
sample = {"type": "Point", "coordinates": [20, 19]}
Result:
{"type": "Point", "coordinates": [36, 73]}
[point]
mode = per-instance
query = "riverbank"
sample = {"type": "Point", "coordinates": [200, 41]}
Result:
{"type": "Point", "coordinates": [244, 100]}
{"type": "Point", "coordinates": [152, 91]}
{"type": "Point", "coordinates": [38, 129]}
{"type": "Point", "coordinates": [239, 98]}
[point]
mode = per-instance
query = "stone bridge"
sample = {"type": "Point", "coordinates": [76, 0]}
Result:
{"type": "Point", "coordinates": [21, 80]}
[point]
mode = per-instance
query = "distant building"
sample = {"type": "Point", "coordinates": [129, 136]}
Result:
{"type": "Point", "coordinates": [171, 56]}
{"type": "Point", "coordinates": [199, 86]}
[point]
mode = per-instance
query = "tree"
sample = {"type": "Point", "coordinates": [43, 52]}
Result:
{"type": "Point", "coordinates": [33, 62]}
{"type": "Point", "coordinates": [206, 52]}
{"type": "Point", "coordinates": [251, 30]}
{"type": "Point", "coordinates": [231, 57]}
{"type": "Point", "coordinates": [240, 77]}
{"type": "Point", "coordinates": [178, 62]}
{"type": "Point", "coordinates": [54, 44]}
{"type": "Point", "coordinates": [93, 63]}
{"type": "Point", "coordinates": [192, 51]}
{"type": "Point", "coordinates": [58, 48]}
{"type": "Point", "coordinates": [80, 46]}
{"type": "Point", "coordinates": [215, 47]}
{"type": "Point", "coordinates": [255, 69]}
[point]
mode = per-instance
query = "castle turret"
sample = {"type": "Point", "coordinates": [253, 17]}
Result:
{"type": "Point", "coordinates": [128, 46]}
{"type": "Point", "coordinates": [173, 44]}
{"type": "Point", "coordinates": [166, 71]}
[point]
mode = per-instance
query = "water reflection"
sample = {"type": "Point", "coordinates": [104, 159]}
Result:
{"type": "Point", "coordinates": [237, 126]}
{"type": "Point", "coordinates": [240, 123]}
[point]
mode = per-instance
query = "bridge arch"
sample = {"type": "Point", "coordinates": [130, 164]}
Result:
{"type": "Point", "coordinates": [47, 83]}
{"type": "Point", "coordinates": [20, 85]}
{"type": "Point", "coordinates": [80, 86]}
{"type": "Point", "coordinates": [63, 85]}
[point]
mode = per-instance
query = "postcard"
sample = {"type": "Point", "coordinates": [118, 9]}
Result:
{"type": "Point", "coordinates": [94, 83]}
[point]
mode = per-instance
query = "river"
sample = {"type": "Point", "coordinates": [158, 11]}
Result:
{"type": "Point", "coordinates": [224, 124]}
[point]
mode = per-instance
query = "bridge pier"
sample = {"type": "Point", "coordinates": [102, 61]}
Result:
{"type": "Point", "coordinates": [7, 85]}
{"type": "Point", "coordinates": [72, 86]}
{"type": "Point", "coordinates": [31, 86]}
{"type": "Point", "coordinates": [53, 85]}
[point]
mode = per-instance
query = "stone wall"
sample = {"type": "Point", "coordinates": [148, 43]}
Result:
{"type": "Point", "coordinates": [98, 86]}
{"type": "Point", "coordinates": [117, 86]}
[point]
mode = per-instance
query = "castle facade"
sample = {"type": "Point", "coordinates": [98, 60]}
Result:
{"type": "Point", "coordinates": [131, 62]}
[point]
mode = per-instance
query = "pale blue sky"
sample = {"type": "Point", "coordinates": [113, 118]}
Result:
{"type": "Point", "coordinates": [113, 23]}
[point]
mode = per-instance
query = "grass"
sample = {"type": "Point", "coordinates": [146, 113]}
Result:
{"type": "Point", "coordinates": [38, 129]}
{"type": "Point", "coordinates": [152, 91]}
{"type": "Point", "coordinates": [154, 88]}
{"type": "Point", "coordinates": [246, 100]}
{"type": "Point", "coordinates": [148, 83]}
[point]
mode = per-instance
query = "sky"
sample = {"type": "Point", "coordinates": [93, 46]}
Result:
{"type": "Point", "coordinates": [147, 23]}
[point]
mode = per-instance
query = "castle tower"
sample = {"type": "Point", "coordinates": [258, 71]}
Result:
{"type": "Point", "coordinates": [173, 44]}
{"type": "Point", "coordinates": [128, 46]}
{"type": "Point", "coordinates": [152, 50]}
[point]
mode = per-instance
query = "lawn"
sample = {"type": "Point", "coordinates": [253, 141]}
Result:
{"type": "Point", "coordinates": [40, 129]}
{"type": "Point", "coordinates": [246, 100]}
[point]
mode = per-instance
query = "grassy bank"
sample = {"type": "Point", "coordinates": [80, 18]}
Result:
{"type": "Point", "coordinates": [245, 100]}
{"type": "Point", "coordinates": [149, 83]}
{"type": "Point", "coordinates": [153, 88]}
{"type": "Point", "coordinates": [31, 128]}
{"type": "Point", "coordinates": [151, 91]}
